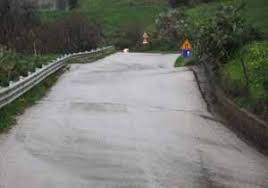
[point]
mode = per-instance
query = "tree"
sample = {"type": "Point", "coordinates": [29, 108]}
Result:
{"type": "Point", "coordinates": [130, 36]}
{"type": "Point", "coordinates": [226, 32]}
{"type": "Point", "coordinates": [17, 17]}
{"type": "Point", "coordinates": [173, 27]}
{"type": "Point", "coordinates": [61, 4]}
{"type": "Point", "coordinates": [72, 33]}
{"type": "Point", "coordinates": [177, 3]}
{"type": "Point", "coordinates": [73, 4]}
{"type": "Point", "coordinates": [173, 3]}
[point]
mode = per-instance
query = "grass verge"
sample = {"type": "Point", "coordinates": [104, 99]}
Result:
{"type": "Point", "coordinates": [180, 61]}
{"type": "Point", "coordinates": [9, 113]}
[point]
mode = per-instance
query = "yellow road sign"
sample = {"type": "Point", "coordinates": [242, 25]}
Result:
{"type": "Point", "coordinates": [187, 45]}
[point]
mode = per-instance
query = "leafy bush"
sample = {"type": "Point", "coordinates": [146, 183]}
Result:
{"type": "Point", "coordinates": [17, 19]}
{"type": "Point", "coordinates": [130, 36]}
{"type": "Point", "coordinates": [73, 3]}
{"type": "Point", "coordinates": [14, 65]}
{"type": "Point", "coordinates": [22, 31]}
{"type": "Point", "coordinates": [173, 27]}
{"type": "Point", "coordinates": [180, 61]}
{"type": "Point", "coordinates": [71, 34]}
{"type": "Point", "coordinates": [224, 35]}
{"type": "Point", "coordinates": [255, 56]}
{"type": "Point", "coordinates": [177, 3]}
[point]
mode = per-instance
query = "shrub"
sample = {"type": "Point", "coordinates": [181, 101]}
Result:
{"type": "Point", "coordinates": [255, 56]}
{"type": "Point", "coordinates": [224, 35]}
{"type": "Point", "coordinates": [173, 3]}
{"type": "Point", "coordinates": [73, 3]}
{"type": "Point", "coordinates": [130, 36]}
{"type": "Point", "coordinates": [17, 18]}
{"type": "Point", "coordinates": [180, 61]}
{"type": "Point", "coordinates": [173, 27]}
{"type": "Point", "coordinates": [13, 65]}
{"type": "Point", "coordinates": [71, 34]}
{"type": "Point", "coordinates": [22, 31]}
{"type": "Point", "coordinates": [176, 3]}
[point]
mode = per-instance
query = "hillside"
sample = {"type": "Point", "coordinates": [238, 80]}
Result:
{"type": "Point", "coordinates": [255, 12]}
{"type": "Point", "coordinates": [115, 14]}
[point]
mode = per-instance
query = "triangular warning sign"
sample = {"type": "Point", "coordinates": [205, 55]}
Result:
{"type": "Point", "coordinates": [187, 45]}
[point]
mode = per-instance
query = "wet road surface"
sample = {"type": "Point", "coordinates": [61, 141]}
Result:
{"type": "Point", "coordinates": [128, 121]}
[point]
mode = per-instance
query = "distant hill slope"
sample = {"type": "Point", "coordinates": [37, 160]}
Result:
{"type": "Point", "coordinates": [115, 14]}
{"type": "Point", "coordinates": [255, 12]}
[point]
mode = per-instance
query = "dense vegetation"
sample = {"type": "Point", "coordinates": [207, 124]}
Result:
{"type": "Point", "coordinates": [229, 36]}
{"type": "Point", "coordinates": [22, 30]}
{"type": "Point", "coordinates": [17, 19]}
{"type": "Point", "coordinates": [178, 3]}
{"type": "Point", "coordinates": [73, 33]}
{"type": "Point", "coordinates": [240, 62]}
{"type": "Point", "coordinates": [255, 12]}
{"type": "Point", "coordinates": [122, 21]}
{"type": "Point", "coordinates": [26, 40]}
{"type": "Point", "coordinates": [13, 65]}
{"type": "Point", "coordinates": [249, 85]}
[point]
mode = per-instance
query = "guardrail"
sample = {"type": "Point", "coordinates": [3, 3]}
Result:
{"type": "Point", "coordinates": [17, 89]}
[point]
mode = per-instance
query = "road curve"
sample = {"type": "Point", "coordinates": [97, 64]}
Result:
{"type": "Point", "coordinates": [128, 121]}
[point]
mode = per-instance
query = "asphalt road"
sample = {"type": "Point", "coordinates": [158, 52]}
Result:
{"type": "Point", "coordinates": [127, 121]}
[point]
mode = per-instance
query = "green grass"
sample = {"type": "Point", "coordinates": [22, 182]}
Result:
{"type": "Point", "coordinates": [181, 61]}
{"type": "Point", "coordinates": [255, 13]}
{"type": "Point", "coordinates": [203, 12]}
{"type": "Point", "coordinates": [9, 113]}
{"type": "Point", "coordinates": [114, 14]}
{"type": "Point", "coordinates": [13, 65]}
{"type": "Point", "coordinates": [255, 97]}
{"type": "Point", "coordinates": [52, 15]}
